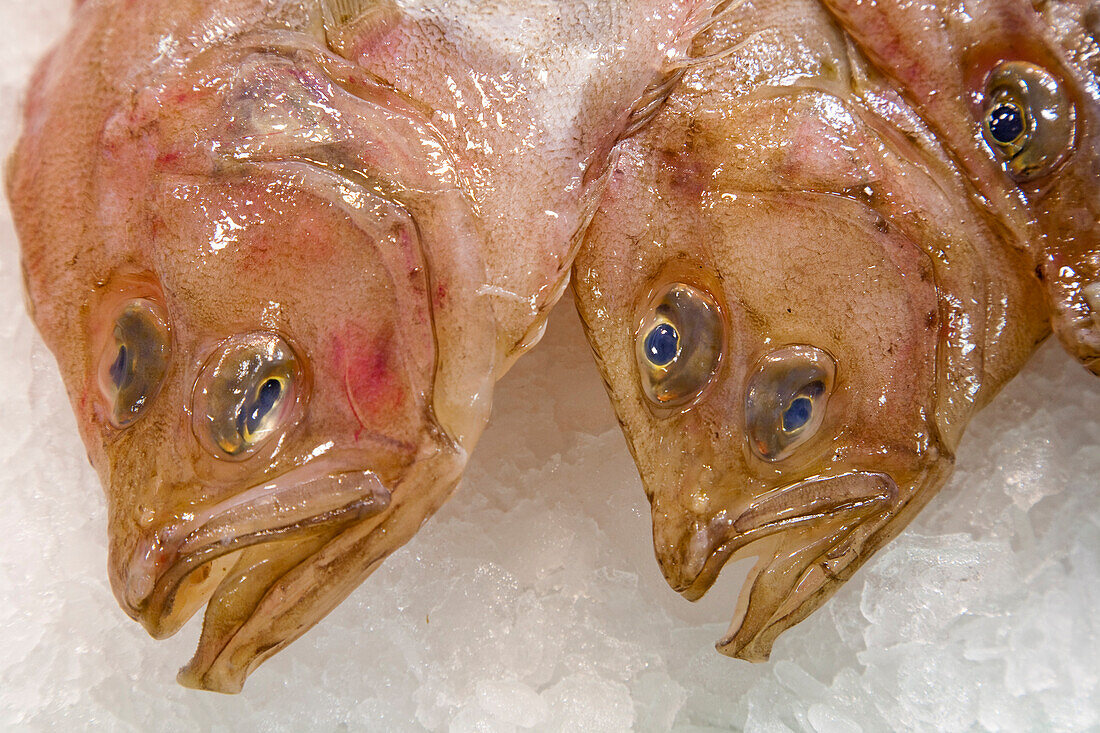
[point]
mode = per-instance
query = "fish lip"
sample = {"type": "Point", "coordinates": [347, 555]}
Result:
{"type": "Point", "coordinates": [161, 562]}
{"type": "Point", "coordinates": [747, 529]}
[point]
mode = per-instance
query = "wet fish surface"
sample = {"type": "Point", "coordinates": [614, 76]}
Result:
{"type": "Point", "coordinates": [848, 228]}
{"type": "Point", "coordinates": [283, 250]}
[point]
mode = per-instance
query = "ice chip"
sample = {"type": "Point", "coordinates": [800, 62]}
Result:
{"type": "Point", "coordinates": [512, 703]}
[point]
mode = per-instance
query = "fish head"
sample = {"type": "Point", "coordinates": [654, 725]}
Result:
{"type": "Point", "coordinates": [260, 397]}
{"type": "Point", "coordinates": [777, 391]}
{"type": "Point", "coordinates": [771, 289]}
{"type": "Point", "coordinates": [1032, 86]}
{"type": "Point", "coordinates": [234, 268]}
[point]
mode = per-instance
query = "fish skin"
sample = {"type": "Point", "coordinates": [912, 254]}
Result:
{"type": "Point", "coordinates": [790, 181]}
{"type": "Point", "coordinates": [405, 233]}
{"type": "Point", "coordinates": [570, 75]}
{"type": "Point", "coordinates": [1054, 216]}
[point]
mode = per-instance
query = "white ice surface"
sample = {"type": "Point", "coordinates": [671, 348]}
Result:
{"type": "Point", "coordinates": [533, 602]}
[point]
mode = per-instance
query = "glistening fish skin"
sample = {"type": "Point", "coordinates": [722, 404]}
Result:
{"type": "Point", "coordinates": [798, 298]}
{"type": "Point", "coordinates": [972, 57]}
{"type": "Point", "coordinates": [283, 250]}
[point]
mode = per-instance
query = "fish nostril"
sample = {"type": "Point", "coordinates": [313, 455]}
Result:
{"type": "Point", "coordinates": [146, 515]}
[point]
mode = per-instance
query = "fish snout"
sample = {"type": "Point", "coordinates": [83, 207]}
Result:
{"type": "Point", "coordinates": [136, 572]}
{"type": "Point", "coordinates": [683, 563]}
{"type": "Point", "coordinates": [684, 541]}
{"type": "Point", "coordinates": [688, 515]}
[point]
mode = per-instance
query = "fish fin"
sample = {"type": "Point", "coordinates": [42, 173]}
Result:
{"type": "Point", "coordinates": [346, 21]}
{"type": "Point", "coordinates": [656, 94]}
{"type": "Point", "coordinates": [705, 18]}
{"type": "Point", "coordinates": [651, 101]}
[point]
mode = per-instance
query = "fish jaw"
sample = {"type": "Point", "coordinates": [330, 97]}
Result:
{"type": "Point", "coordinates": [809, 538]}
{"type": "Point", "coordinates": [266, 601]}
{"type": "Point", "coordinates": [809, 535]}
{"type": "Point", "coordinates": [272, 560]}
{"type": "Point", "coordinates": [155, 585]}
{"type": "Point", "coordinates": [818, 575]}
{"type": "Point", "coordinates": [800, 508]}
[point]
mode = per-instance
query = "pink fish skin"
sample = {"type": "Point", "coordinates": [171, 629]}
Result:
{"type": "Point", "coordinates": [282, 251]}
{"type": "Point", "coordinates": [1053, 213]}
{"type": "Point", "coordinates": [797, 302]}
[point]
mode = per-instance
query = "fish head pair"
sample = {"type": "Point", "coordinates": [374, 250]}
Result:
{"type": "Point", "coordinates": [239, 262]}
{"type": "Point", "coordinates": [796, 306]}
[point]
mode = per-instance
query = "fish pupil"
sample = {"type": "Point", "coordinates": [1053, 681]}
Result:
{"type": "Point", "coordinates": [120, 369]}
{"type": "Point", "coordinates": [1006, 123]}
{"type": "Point", "coordinates": [269, 395]}
{"type": "Point", "coordinates": [798, 414]}
{"type": "Point", "coordinates": [662, 344]}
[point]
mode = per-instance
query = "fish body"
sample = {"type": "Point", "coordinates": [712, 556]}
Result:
{"type": "Point", "coordinates": [283, 250]}
{"type": "Point", "coordinates": [996, 60]}
{"type": "Point", "coordinates": [798, 299]}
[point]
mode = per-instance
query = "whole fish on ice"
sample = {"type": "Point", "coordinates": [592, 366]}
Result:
{"type": "Point", "coordinates": [814, 266]}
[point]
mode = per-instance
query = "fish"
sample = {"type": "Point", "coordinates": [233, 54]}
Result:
{"type": "Point", "coordinates": [805, 278]}
{"type": "Point", "coordinates": [282, 251]}
{"type": "Point", "coordinates": [1009, 86]}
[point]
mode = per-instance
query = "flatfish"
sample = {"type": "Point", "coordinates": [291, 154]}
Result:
{"type": "Point", "coordinates": [799, 289]}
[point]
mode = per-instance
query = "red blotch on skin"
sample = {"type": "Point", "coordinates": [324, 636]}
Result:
{"type": "Point", "coordinates": [687, 174]}
{"type": "Point", "coordinates": [167, 159]}
{"type": "Point", "coordinates": [188, 94]}
{"type": "Point", "coordinates": [373, 374]}
{"type": "Point", "coordinates": [384, 37]}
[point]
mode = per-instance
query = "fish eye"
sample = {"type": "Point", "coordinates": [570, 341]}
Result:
{"type": "Point", "coordinates": [1028, 119]}
{"type": "Point", "coordinates": [662, 344]}
{"type": "Point", "coordinates": [786, 400]}
{"type": "Point", "coordinates": [798, 414]}
{"type": "Point", "coordinates": [134, 360]}
{"type": "Point", "coordinates": [679, 345]}
{"type": "Point", "coordinates": [248, 391]}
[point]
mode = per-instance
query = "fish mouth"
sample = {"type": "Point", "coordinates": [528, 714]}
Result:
{"type": "Point", "coordinates": [273, 560]}
{"type": "Point", "coordinates": [809, 537]}
{"type": "Point", "coordinates": [179, 568]}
